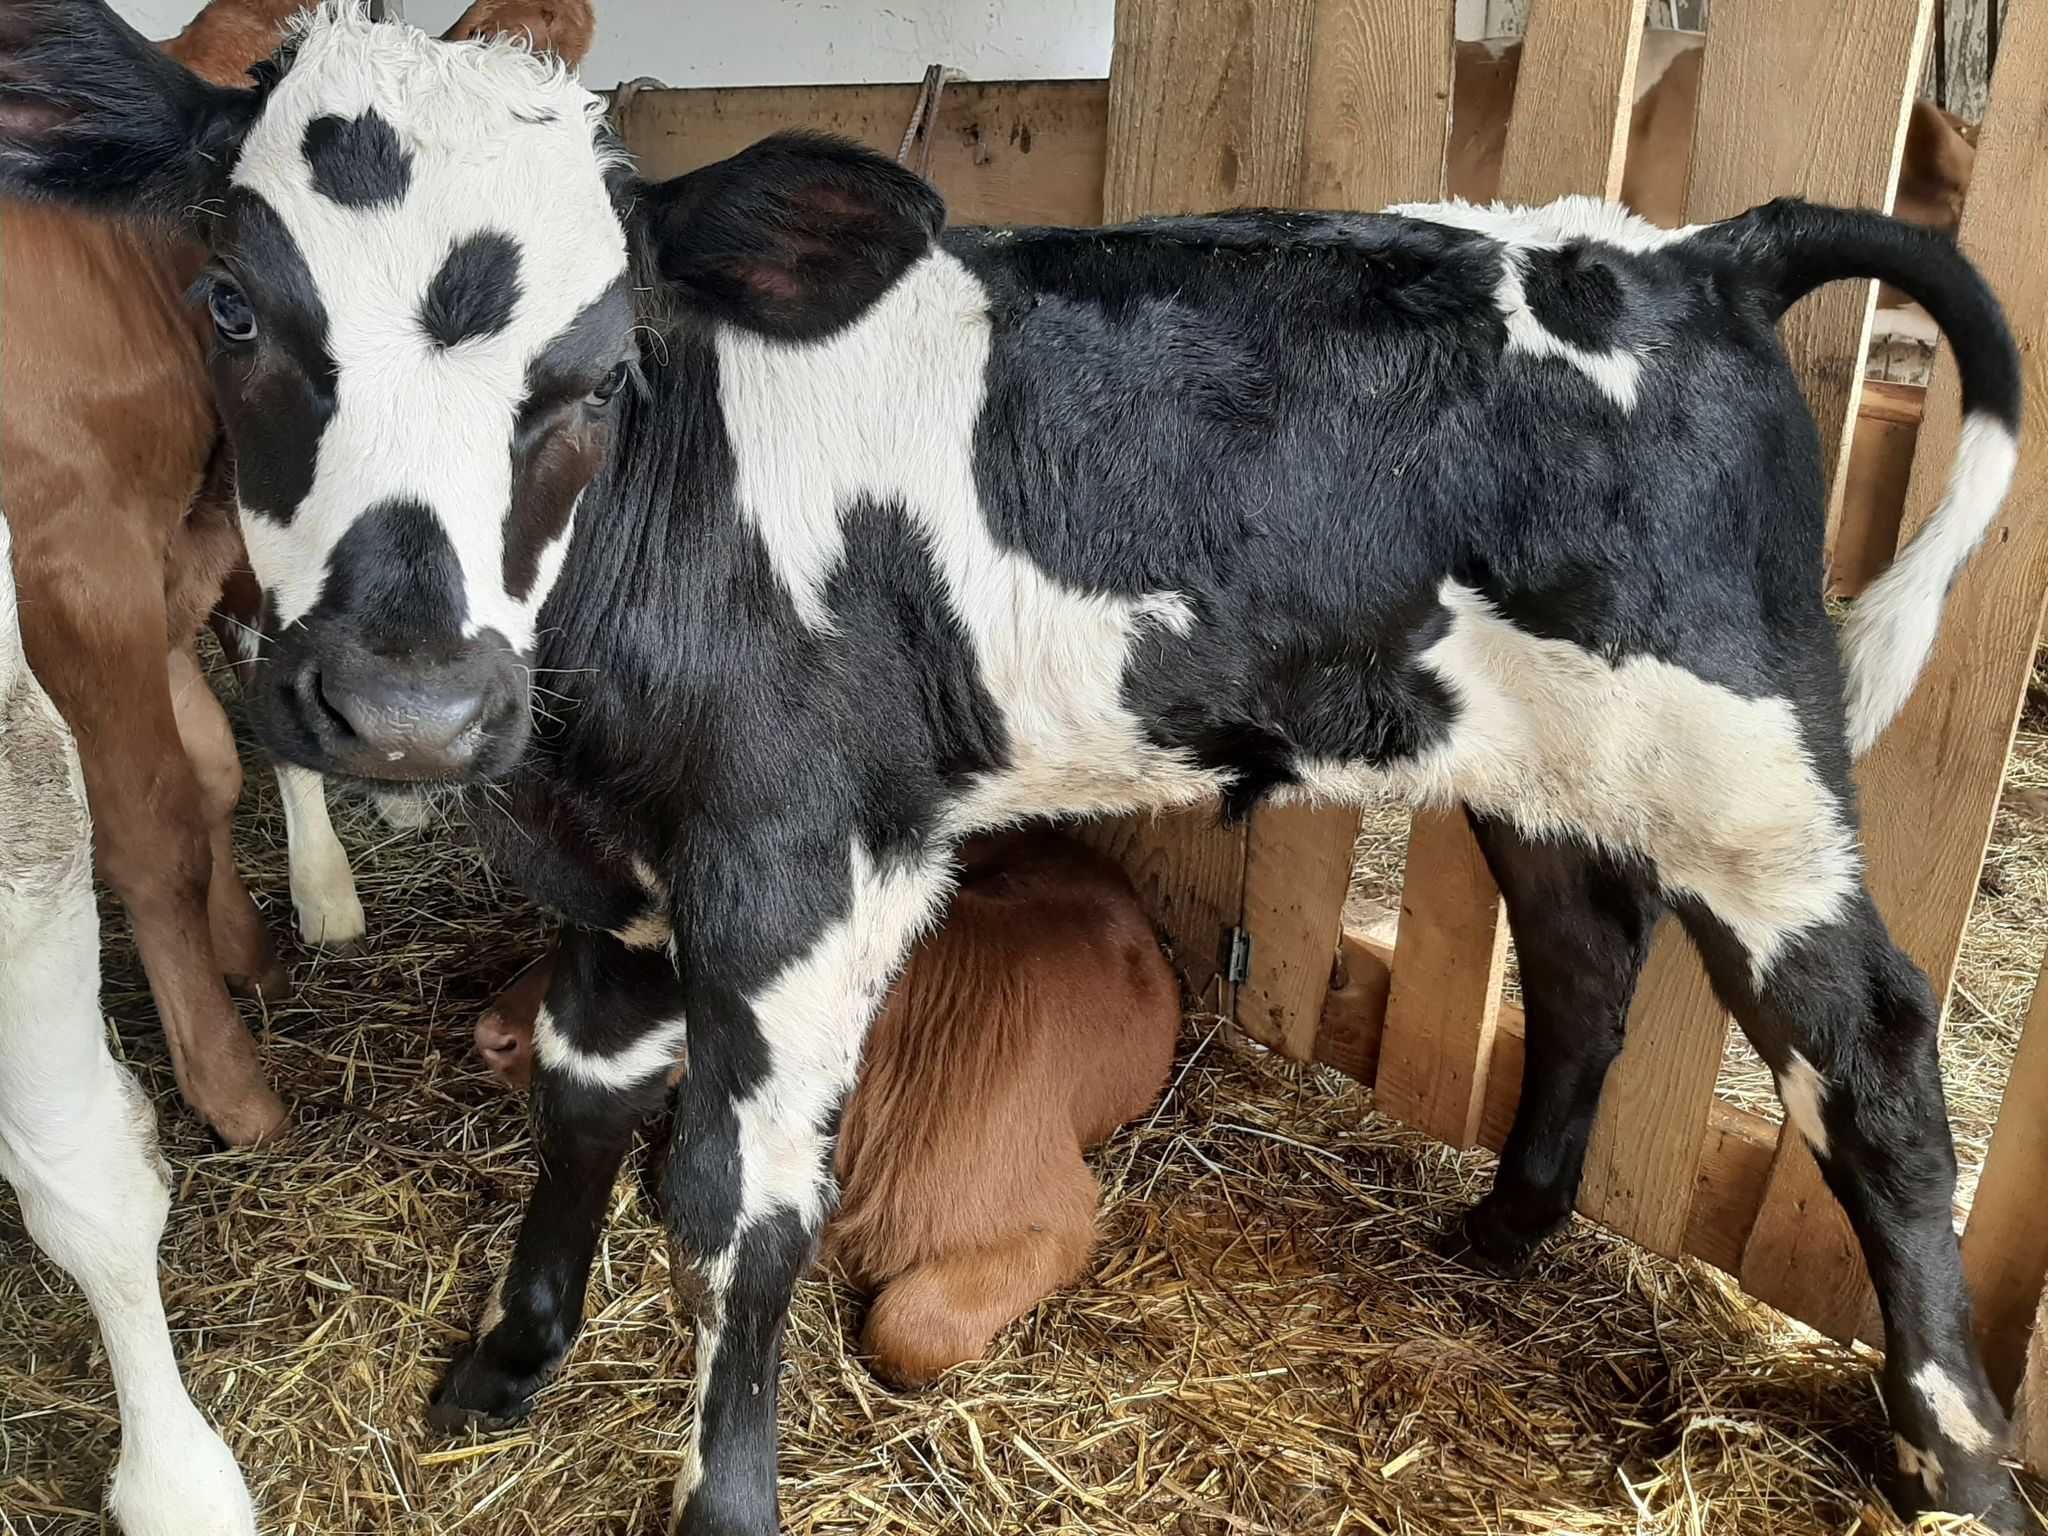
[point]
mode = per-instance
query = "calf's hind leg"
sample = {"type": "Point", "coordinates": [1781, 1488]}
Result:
{"type": "Point", "coordinates": [1582, 925]}
{"type": "Point", "coordinates": [1849, 1025]}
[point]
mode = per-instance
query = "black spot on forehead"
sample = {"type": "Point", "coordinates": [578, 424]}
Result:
{"type": "Point", "coordinates": [474, 292]}
{"type": "Point", "coordinates": [395, 578]}
{"type": "Point", "coordinates": [357, 161]}
{"type": "Point", "coordinates": [278, 398]}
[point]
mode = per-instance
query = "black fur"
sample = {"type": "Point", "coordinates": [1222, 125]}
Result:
{"type": "Point", "coordinates": [792, 238]}
{"type": "Point", "coordinates": [93, 114]}
{"type": "Point", "coordinates": [276, 394]}
{"type": "Point", "coordinates": [357, 161]}
{"type": "Point", "coordinates": [475, 291]}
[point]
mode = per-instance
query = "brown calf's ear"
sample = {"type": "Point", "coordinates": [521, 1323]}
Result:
{"type": "Point", "coordinates": [562, 28]}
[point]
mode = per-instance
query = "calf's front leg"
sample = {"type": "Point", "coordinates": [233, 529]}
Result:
{"type": "Point", "coordinates": [606, 1042]}
{"type": "Point", "coordinates": [750, 1172]}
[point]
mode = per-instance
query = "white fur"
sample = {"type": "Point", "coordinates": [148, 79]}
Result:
{"type": "Point", "coordinates": [887, 408]}
{"type": "Point", "coordinates": [414, 420]}
{"type": "Point", "coordinates": [812, 1019]}
{"type": "Point", "coordinates": [650, 1055]}
{"type": "Point", "coordinates": [1638, 756]}
{"type": "Point", "coordinates": [324, 896]}
{"type": "Point", "coordinates": [1891, 631]}
{"type": "Point", "coordinates": [1550, 226]}
{"type": "Point", "coordinates": [1803, 1092]}
{"type": "Point", "coordinates": [1914, 1462]}
{"type": "Point", "coordinates": [1950, 1405]}
{"type": "Point", "coordinates": [1617, 373]}
{"type": "Point", "coordinates": [1904, 322]}
{"type": "Point", "coordinates": [77, 1138]}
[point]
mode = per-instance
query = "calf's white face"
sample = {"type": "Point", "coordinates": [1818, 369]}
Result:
{"type": "Point", "coordinates": [421, 314]}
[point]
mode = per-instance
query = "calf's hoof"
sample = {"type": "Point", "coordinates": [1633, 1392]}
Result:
{"type": "Point", "coordinates": [272, 985]}
{"type": "Point", "coordinates": [180, 1483]}
{"type": "Point", "coordinates": [1482, 1239]}
{"type": "Point", "coordinates": [332, 921]}
{"type": "Point", "coordinates": [475, 1394]}
{"type": "Point", "coordinates": [250, 1118]}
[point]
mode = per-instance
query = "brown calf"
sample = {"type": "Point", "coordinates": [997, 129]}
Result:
{"type": "Point", "coordinates": [1934, 175]}
{"type": "Point", "coordinates": [120, 499]}
{"type": "Point", "coordinates": [1039, 1018]}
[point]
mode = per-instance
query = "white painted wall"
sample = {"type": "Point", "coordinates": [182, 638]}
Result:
{"type": "Point", "coordinates": [799, 42]}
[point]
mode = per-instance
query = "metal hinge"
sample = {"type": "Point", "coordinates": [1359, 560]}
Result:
{"type": "Point", "coordinates": [1237, 956]}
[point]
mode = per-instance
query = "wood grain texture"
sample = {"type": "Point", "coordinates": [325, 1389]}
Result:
{"type": "Point", "coordinates": [2005, 1246]}
{"type": "Point", "coordinates": [1024, 153]}
{"type": "Point", "coordinates": [1573, 100]}
{"type": "Point", "coordinates": [1812, 101]}
{"type": "Point", "coordinates": [1792, 99]}
{"type": "Point", "coordinates": [1297, 872]}
{"type": "Point", "coordinates": [1866, 535]}
{"type": "Point", "coordinates": [1930, 787]}
{"type": "Point", "coordinates": [1449, 958]}
{"type": "Point", "coordinates": [1378, 103]}
{"type": "Point", "coordinates": [1206, 99]}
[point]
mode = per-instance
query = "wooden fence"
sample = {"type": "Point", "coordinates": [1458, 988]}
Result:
{"type": "Point", "coordinates": [1345, 104]}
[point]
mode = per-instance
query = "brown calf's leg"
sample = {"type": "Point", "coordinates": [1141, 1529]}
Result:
{"type": "Point", "coordinates": [95, 636]}
{"type": "Point", "coordinates": [943, 1311]}
{"type": "Point", "coordinates": [241, 942]}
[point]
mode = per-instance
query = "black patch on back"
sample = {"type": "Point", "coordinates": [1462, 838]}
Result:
{"type": "Point", "coordinates": [1575, 295]}
{"type": "Point", "coordinates": [277, 395]}
{"type": "Point", "coordinates": [357, 161]}
{"type": "Point", "coordinates": [474, 292]}
{"type": "Point", "coordinates": [394, 581]}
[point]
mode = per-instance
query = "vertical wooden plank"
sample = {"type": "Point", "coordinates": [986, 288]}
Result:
{"type": "Point", "coordinates": [1792, 99]}
{"type": "Point", "coordinates": [1206, 102]}
{"type": "Point", "coordinates": [1297, 872]}
{"type": "Point", "coordinates": [1567, 133]}
{"type": "Point", "coordinates": [1379, 104]}
{"type": "Point", "coordinates": [1931, 785]}
{"type": "Point", "coordinates": [2005, 1245]}
{"type": "Point", "coordinates": [1449, 955]}
{"type": "Point", "coordinates": [1377, 117]}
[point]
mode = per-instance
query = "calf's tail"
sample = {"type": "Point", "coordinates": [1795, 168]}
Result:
{"type": "Point", "coordinates": [1793, 248]}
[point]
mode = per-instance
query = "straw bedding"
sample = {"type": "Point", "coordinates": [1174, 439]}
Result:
{"type": "Point", "coordinates": [1267, 1342]}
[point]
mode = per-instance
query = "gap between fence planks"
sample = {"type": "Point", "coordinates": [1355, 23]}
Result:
{"type": "Point", "coordinates": [1792, 99]}
{"type": "Point", "coordinates": [1568, 132]}
{"type": "Point", "coordinates": [1931, 785]}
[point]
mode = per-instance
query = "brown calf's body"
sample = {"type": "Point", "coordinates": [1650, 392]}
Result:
{"type": "Point", "coordinates": [1036, 1020]}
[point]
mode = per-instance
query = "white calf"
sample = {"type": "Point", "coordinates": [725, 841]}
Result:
{"type": "Point", "coordinates": [77, 1137]}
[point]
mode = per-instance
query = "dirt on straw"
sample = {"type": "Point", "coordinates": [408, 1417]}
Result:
{"type": "Point", "coordinates": [1267, 1342]}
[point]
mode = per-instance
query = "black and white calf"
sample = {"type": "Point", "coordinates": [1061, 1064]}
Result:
{"type": "Point", "coordinates": [856, 535]}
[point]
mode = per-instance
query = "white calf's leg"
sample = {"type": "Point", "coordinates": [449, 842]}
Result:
{"type": "Point", "coordinates": [323, 885]}
{"type": "Point", "coordinates": [77, 1137]}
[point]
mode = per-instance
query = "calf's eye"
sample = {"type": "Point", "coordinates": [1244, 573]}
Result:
{"type": "Point", "coordinates": [232, 316]}
{"type": "Point", "coordinates": [611, 384]}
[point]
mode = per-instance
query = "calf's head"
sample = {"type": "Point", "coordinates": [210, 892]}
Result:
{"type": "Point", "coordinates": [424, 322]}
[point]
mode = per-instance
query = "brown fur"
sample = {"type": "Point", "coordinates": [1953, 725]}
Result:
{"type": "Point", "coordinates": [1933, 177]}
{"type": "Point", "coordinates": [120, 500]}
{"type": "Point", "coordinates": [1036, 1020]}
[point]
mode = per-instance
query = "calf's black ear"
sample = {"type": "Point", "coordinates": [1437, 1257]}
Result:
{"type": "Point", "coordinates": [792, 238]}
{"type": "Point", "coordinates": [93, 115]}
